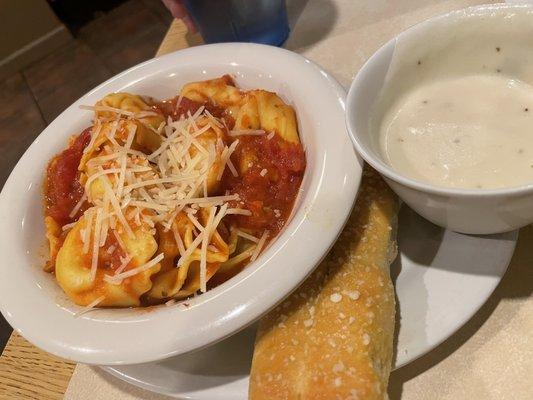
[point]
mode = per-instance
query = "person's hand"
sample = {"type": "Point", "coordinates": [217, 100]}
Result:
{"type": "Point", "coordinates": [178, 10]}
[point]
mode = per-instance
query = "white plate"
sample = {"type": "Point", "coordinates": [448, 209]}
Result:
{"type": "Point", "coordinates": [33, 303]}
{"type": "Point", "coordinates": [442, 279]}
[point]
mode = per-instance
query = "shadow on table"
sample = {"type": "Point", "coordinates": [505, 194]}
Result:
{"type": "Point", "coordinates": [426, 244]}
{"type": "Point", "coordinates": [5, 333]}
{"type": "Point", "coordinates": [395, 270]}
{"type": "Point", "coordinates": [517, 283]}
{"type": "Point", "coordinates": [309, 28]}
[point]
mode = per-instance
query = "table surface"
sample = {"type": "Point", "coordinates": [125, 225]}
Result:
{"type": "Point", "coordinates": [29, 373]}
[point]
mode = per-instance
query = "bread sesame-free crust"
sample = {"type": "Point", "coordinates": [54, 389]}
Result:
{"type": "Point", "coordinates": [333, 337]}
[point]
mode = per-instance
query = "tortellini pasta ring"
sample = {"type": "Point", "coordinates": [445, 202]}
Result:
{"type": "Point", "coordinates": [73, 269]}
{"type": "Point", "coordinates": [173, 281]}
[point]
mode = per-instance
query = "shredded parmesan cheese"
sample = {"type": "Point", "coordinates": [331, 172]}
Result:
{"type": "Point", "coordinates": [86, 234]}
{"type": "Point", "coordinates": [78, 205]}
{"type": "Point", "coordinates": [221, 214]}
{"type": "Point", "coordinates": [177, 238]}
{"type": "Point", "coordinates": [247, 236]}
{"type": "Point", "coordinates": [119, 240]}
{"type": "Point", "coordinates": [251, 132]}
{"type": "Point", "coordinates": [89, 306]}
{"type": "Point", "coordinates": [226, 154]}
{"type": "Point", "coordinates": [96, 243]}
{"type": "Point", "coordinates": [124, 263]}
{"type": "Point", "coordinates": [232, 168]}
{"type": "Point", "coordinates": [203, 252]}
{"type": "Point", "coordinates": [240, 211]}
{"type": "Point", "coordinates": [192, 247]}
{"type": "Point", "coordinates": [68, 226]}
{"type": "Point", "coordinates": [95, 132]}
{"type": "Point", "coordinates": [260, 246]}
{"type": "Point", "coordinates": [134, 271]}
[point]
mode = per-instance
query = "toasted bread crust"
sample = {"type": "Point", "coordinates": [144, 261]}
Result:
{"type": "Point", "coordinates": [333, 337]}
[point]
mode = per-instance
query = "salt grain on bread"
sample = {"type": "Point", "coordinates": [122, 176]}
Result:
{"type": "Point", "coordinates": [333, 337]}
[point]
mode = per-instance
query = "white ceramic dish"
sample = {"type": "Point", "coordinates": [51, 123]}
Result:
{"type": "Point", "coordinates": [442, 278]}
{"type": "Point", "coordinates": [475, 211]}
{"type": "Point", "coordinates": [35, 306]}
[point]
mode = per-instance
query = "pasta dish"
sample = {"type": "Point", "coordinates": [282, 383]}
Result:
{"type": "Point", "coordinates": [162, 200]}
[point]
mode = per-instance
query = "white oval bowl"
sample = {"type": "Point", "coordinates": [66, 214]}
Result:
{"type": "Point", "coordinates": [473, 211]}
{"type": "Point", "coordinates": [34, 304]}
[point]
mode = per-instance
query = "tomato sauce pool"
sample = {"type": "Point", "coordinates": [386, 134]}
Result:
{"type": "Point", "coordinates": [62, 188]}
{"type": "Point", "coordinates": [268, 187]}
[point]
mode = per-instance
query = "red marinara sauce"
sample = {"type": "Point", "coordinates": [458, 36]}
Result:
{"type": "Point", "coordinates": [176, 107]}
{"type": "Point", "coordinates": [62, 190]}
{"type": "Point", "coordinates": [270, 184]}
{"type": "Point", "coordinates": [274, 170]}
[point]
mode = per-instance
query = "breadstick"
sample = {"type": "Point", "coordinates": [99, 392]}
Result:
{"type": "Point", "coordinates": [333, 337]}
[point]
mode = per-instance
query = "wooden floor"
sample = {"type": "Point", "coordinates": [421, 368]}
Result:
{"type": "Point", "coordinates": [33, 97]}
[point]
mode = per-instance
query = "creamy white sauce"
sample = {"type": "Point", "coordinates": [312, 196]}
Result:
{"type": "Point", "coordinates": [473, 131]}
{"type": "Point", "coordinates": [476, 74]}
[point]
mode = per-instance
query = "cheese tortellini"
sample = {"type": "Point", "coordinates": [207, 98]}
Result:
{"type": "Point", "coordinates": [129, 103]}
{"type": "Point", "coordinates": [210, 141]}
{"type": "Point", "coordinates": [221, 92]}
{"type": "Point", "coordinates": [183, 281]}
{"type": "Point", "coordinates": [73, 270]}
{"type": "Point", "coordinates": [255, 109]}
{"type": "Point", "coordinates": [144, 196]}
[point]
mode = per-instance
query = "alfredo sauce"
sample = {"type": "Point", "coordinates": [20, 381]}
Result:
{"type": "Point", "coordinates": [456, 107]}
{"type": "Point", "coordinates": [473, 131]}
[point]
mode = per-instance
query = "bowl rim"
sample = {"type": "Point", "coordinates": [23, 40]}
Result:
{"type": "Point", "coordinates": [387, 170]}
{"type": "Point", "coordinates": [249, 302]}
